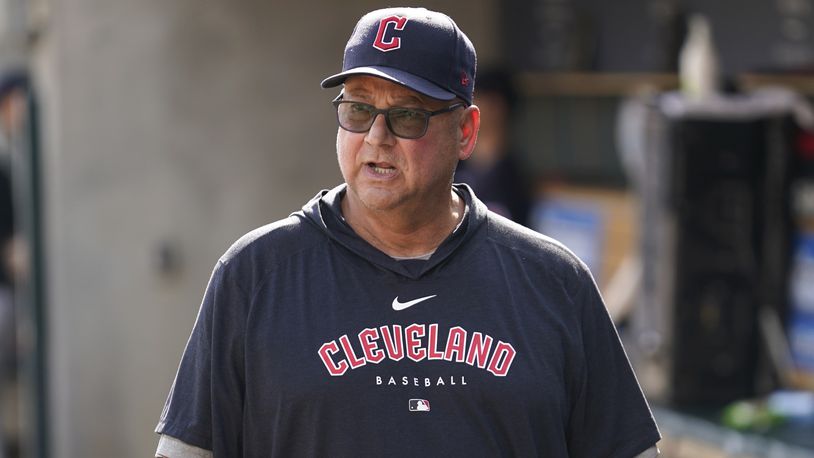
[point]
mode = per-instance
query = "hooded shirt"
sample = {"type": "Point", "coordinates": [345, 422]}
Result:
{"type": "Point", "coordinates": [311, 342]}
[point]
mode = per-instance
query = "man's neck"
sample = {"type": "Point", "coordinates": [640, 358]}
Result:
{"type": "Point", "coordinates": [403, 233]}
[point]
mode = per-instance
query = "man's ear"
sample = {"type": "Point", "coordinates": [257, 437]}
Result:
{"type": "Point", "coordinates": [469, 125]}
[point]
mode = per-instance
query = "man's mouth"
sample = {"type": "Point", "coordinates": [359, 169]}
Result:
{"type": "Point", "coordinates": [384, 170]}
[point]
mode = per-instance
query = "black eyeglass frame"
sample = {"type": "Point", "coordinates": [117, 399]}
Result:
{"type": "Point", "coordinates": [386, 112]}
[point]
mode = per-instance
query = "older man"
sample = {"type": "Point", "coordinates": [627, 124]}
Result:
{"type": "Point", "coordinates": [394, 315]}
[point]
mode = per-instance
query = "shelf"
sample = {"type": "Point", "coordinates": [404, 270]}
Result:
{"type": "Point", "coordinates": [803, 84]}
{"type": "Point", "coordinates": [600, 84]}
{"type": "Point", "coordinates": [593, 84]}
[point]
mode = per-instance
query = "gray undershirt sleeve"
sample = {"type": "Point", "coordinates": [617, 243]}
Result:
{"type": "Point", "coordinates": [170, 447]}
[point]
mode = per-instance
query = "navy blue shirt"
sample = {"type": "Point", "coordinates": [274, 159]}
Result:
{"type": "Point", "coordinates": [311, 342]}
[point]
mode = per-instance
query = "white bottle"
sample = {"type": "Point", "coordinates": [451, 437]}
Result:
{"type": "Point", "coordinates": [698, 61]}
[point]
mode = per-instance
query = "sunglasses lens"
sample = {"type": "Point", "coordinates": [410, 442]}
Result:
{"type": "Point", "coordinates": [355, 117]}
{"type": "Point", "coordinates": [407, 123]}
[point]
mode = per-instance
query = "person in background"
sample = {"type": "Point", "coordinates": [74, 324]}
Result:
{"type": "Point", "coordinates": [494, 170]}
{"type": "Point", "coordinates": [11, 84]}
{"type": "Point", "coordinates": [7, 322]}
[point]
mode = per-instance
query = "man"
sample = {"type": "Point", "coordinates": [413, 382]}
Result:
{"type": "Point", "coordinates": [493, 171]}
{"type": "Point", "coordinates": [13, 89]}
{"type": "Point", "coordinates": [395, 315]}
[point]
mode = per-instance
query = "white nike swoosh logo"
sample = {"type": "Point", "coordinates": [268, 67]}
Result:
{"type": "Point", "coordinates": [404, 305]}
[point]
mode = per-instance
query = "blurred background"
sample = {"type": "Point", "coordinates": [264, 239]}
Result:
{"type": "Point", "coordinates": [667, 142]}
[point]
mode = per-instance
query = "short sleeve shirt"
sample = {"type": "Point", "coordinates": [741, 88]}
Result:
{"type": "Point", "coordinates": [310, 342]}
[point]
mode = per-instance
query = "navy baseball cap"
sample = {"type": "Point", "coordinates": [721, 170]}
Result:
{"type": "Point", "coordinates": [421, 49]}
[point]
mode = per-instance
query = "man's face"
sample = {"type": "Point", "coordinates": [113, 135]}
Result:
{"type": "Point", "coordinates": [385, 172]}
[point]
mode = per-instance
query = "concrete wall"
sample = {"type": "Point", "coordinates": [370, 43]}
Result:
{"type": "Point", "coordinates": [174, 127]}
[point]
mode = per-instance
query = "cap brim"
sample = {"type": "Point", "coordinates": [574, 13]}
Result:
{"type": "Point", "coordinates": [403, 78]}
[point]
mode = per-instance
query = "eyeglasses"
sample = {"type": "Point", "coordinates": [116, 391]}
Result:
{"type": "Point", "coordinates": [409, 123]}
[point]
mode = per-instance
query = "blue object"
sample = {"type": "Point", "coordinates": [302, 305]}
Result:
{"type": "Point", "coordinates": [577, 225]}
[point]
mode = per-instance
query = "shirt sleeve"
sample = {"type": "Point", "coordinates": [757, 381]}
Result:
{"type": "Point", "coordinates": [204, 406]}
{"type": "Point", "coordinates": [652, 452]}
{"type": "Point", "coordinates": [610, 416]}
{"type": "Point", "coordinates": [170, 447]}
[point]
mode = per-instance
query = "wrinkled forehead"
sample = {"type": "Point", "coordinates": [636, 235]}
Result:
{"type": "Point", "coordinates": [370, 87]}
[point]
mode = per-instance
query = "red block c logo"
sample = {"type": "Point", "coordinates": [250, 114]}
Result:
{"type": "Point", "coordinates": [392, 42]}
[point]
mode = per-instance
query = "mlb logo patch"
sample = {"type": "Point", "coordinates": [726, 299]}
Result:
{"type": "Point", "coordinates": [419, 405]}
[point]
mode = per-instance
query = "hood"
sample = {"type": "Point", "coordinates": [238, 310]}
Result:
{"type": "Point", "coordinates": [324, 212]}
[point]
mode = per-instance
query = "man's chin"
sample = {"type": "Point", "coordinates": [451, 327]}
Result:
{"type": "Point", "coordinates": [377, 199]}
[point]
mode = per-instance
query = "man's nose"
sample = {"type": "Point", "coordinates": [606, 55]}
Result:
{"type": "Point", "coordinates": [379, 133]}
